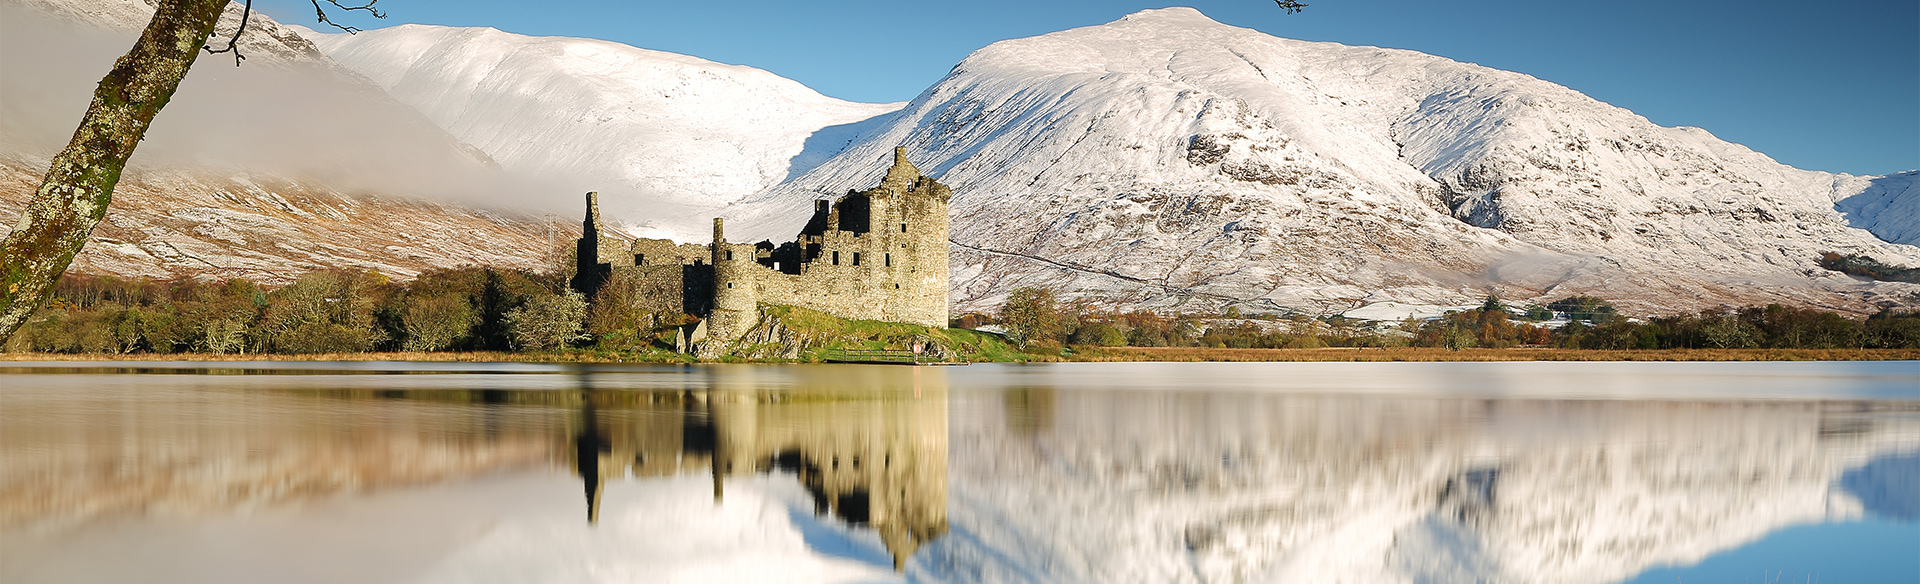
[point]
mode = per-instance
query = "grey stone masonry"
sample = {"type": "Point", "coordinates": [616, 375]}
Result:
{"type": "Point", "coordinates": [660, 275]}
{"type": "Point", "coordinates": [597, 253]}
{"type": "Point", "coordinates": [877, 254]}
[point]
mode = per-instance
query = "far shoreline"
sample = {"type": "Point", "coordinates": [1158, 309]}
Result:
{"type": "Point", "coordinates": [1087, 354]}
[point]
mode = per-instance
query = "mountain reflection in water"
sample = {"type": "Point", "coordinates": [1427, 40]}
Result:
{"type": "Point", "coordinates": [1082, 473]}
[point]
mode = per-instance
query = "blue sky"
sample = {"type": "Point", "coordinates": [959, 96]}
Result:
{"type": "Point", "coordinates": [1826, 86]}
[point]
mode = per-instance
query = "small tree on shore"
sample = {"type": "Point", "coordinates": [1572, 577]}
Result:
{"type": "Point", "coordinates": [1032, 317]}
{"type": "Point", "coordinates": [329, 311]}
{"type": "Point", "coordinates": [547, 321]}
{"type": "Point", "coordinates": [436, 321]}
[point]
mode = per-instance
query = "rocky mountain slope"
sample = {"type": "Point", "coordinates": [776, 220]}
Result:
{"type": "Point", "coordinates": [289, 163]}
{"type": "Point", "coordinates": [1160, 161]}
{"type": "Point", "coordinates": [1167, 160]}
{"type": "Point", "coordinates": [665, 138]}
{"type": "Point", "coordinates": [174, 223]}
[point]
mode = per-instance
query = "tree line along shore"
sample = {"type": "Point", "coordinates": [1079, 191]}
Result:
{"type": "Point", "coordinates": [492, 314]}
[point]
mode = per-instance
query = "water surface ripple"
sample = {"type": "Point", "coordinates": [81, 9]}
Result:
{"type": "Point", "coordinates": [1125, 472]}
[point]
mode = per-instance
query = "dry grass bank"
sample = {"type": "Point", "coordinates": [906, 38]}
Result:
{"type": "Point", "coordinates": [438, 357]}
{"type": "Point", "coordinates": [1092, 354]}
{"type": "Point", "coordinates": [1516, 354]}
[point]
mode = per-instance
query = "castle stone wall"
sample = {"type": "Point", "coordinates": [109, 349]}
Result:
{"type": "Point", "coordinates": [895, 270]}
{"type": "Point", "coordinates": [878, 254]}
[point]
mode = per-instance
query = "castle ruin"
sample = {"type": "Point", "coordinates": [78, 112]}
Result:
{"type": "Point", "coordinates": [877, 254]}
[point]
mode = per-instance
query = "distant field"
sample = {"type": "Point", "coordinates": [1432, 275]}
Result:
{"type": "Point", "coordinates": [1517, 354]}
{"type": "Point", "coordinates": [1093, 354]}
{"type": "Point", "coordinates": [461, 357]}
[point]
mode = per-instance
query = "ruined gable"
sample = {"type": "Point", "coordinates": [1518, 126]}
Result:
{"type": "Point", "coordinates": [597, 252]}
{"type": "Point", "coordinates": [651, 274]}
{"type": "Point", "coordinates": [877, 254]}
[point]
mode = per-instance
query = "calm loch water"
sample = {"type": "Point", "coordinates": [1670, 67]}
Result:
{"type": "Point", "coordinates": [1334, 472]}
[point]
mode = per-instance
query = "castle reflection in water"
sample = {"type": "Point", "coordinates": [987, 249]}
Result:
{"type": "Point", "coordinates": [875, 456]}
{"type": "Point", "coordinates": [1081, 473]}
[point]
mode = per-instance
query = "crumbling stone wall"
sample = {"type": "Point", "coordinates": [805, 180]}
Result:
{"type": "Point", "coordinates": [659, 275]}
{"type": "Point", "coordinates": [597, 253]}
{"type": "Point", "coordinates": [878, 254]}
{"type": "Point", "coordinates": [679, 271]}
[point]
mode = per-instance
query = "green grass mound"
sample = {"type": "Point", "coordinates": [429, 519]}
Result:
{"type": "Point", "coordinates": [788, 333]}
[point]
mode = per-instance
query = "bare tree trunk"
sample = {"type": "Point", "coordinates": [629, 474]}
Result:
{"type": "Point", "coordinates": [79, 184]}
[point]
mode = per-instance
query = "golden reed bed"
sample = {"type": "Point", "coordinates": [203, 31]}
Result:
{"type": "Point", "coordinates": [1515, 354]}
{"type": "Point", "coordinates": [1095, 354]}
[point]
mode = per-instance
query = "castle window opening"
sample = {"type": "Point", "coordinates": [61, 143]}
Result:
{"type": "Point", "coordinates": [639, 259]}
{"type": "Point", "coordinates": [856, 258]}
{"type": "Point", "coordinates": [888, 258]}
{"type": "Point", "coordinates": [903, 228]}
{"type": "Point", "coordinates": [836, 258]}
{"type": "Point", "coordinates": [729, 254]}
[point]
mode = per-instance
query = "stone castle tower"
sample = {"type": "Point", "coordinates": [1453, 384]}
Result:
{"type": "Point", "coordinates": [594, 244]}
{"type": "Point", "coordinates": [877, 254]}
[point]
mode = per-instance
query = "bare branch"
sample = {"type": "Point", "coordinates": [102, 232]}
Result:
{"type": "Point", "coordinates": [1291, 6]}
{"type": "Point", "coordinates": [232, 47]}
{"type": "Point", "coordinates": [321, 14]}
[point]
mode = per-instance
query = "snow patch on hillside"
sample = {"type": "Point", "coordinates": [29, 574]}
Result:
{"type": "Point", "coordinates": [663, 137]}
{"type": "Point", "coordinates": [1888, 206]}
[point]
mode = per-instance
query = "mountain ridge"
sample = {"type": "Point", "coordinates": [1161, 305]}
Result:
{"type": "Point", "coordinates": [657, 133]}
{"type": "Point", "coordinates": [1165, 160]}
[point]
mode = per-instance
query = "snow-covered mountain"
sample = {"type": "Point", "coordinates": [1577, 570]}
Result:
{"type": "Point", "coordinates": [1157, 161]}
{"type": "Point", "coordinates": [658, 134]}
{"type": "Point", "coordinates": [1167, 159]}
{"type": "Point", "coordinates": [1889, 206]}
{"type": "Point", "coordinates": [289, 163]}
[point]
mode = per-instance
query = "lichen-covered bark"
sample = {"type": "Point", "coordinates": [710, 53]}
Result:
{"type": "Point", "coordinates": [74, 196]}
